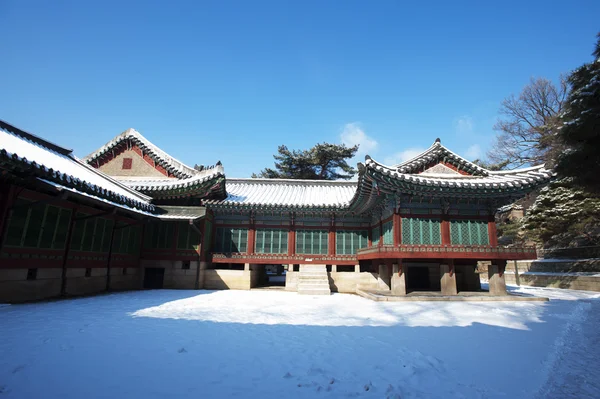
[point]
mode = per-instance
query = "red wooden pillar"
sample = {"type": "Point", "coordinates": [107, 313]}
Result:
{"type": "Point", "coordinates": [446, 231]}
{"type": "Point", "coordinates": [397, 229]}
{"type": "Point", "coordinates": [331, 238]}
{"type": "Point", "coordinates": [292, 238]}
{"type": "Point", "coordinates": [492, 234]}
{"type": "Point", "coordinates": [380, 233]}
{"type": "Point", "coordinates": [251, 236]}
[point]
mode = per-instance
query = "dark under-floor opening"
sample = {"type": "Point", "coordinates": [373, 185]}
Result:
{"type": "Point", "coordinates": [417, 279]}
{"type": "Point", "coordinates": [154, 277]}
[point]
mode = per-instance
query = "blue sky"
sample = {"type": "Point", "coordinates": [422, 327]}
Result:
{"type": "Point", "coordinates": [232, 80]}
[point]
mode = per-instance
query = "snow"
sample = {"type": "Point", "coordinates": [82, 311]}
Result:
{"type": "Point", "coordinates": [69, 165]}
{"type": "Point", "coordinates": [273, 344]}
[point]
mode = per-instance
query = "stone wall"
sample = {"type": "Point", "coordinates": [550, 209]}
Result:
{"type": "Point", "coordinates": [574, 274]}
{"type": "Point", "coordinates": [348, 282]}
{"type": "Point", "coordinates": [224, 279]}
{"type": "Point", "coordinates": [14, 286]}
{"type": "Point", "coordinates": [556, 280]}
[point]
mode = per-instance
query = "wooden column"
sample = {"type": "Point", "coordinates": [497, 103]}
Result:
{"type": "Point", "coordinates": [397, 229]}
{"type": "Point", "coordinates": [292, 237]}
{"type": "Point", "coordinates": [63, 276]}
{"type": "Point", "coordinates": [446, 230]}
{"type": "Point", "coordinates": [380, 233]}
{"type": "Point", "coordinates": [492, 234]}
{"type": "Point", "coordinates": [331, 238]}
{"type": "Point", "coordinates": [251, 236]}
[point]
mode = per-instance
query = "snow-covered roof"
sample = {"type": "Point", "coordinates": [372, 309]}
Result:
{"type": "Point", "coordinates": [437, 152]}
{"type": "Point", "coordinates": [511, 180]}
{"type": "Point", "coordinates": [204, 183]}
{"type": "Point", "coordinates": [57, 164]}
{"type": "Point", "coordinates": [148, 184]}
{"type": "Point", "coordinates": [174, 166]}
{"type": "Point", "coordinates": [287, 193]}
{"type": "Point", "coordinates": [169, 212]}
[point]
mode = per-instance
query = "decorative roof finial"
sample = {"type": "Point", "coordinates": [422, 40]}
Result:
{"type": "Point", "coordinates": [438, 140]}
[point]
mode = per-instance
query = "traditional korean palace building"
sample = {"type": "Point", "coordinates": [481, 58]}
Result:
{"type": "Point", "coordinates": [130, 216]}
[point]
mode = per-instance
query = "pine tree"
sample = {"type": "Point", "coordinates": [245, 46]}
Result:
{"type": "Point", "coordinates": [322, 162]}
{"type": "Point", "coordinates": [580, 131]}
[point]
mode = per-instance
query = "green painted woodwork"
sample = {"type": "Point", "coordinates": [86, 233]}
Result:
{"type": "Point", "coordinates": [421, 231]}
{"type": "Point", "coordinates": [37, 226]}
{"type": "Point", "coordinates": [388, 233]}
{"type": "Point", "coordinates": [159, 235]}
{"type": "Point", "coordinates": [312, 242]}
{"type": "Point", "coordinates": [375, 235]}
{"type": "Point", "coordinates": [230, 239]}
{"type": "Point", "coordinates": [187, 237]}
{"type": "Point", "coordinates": [271, 241]}
{"type": "Point", "coordinates": [348, 242]}
{"type": "Point", "coordinates": [469, 232]}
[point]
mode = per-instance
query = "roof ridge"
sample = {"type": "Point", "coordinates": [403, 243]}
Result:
{"type": "Point", "coordinates": [35, 139]}
{"type": "Point", "coordinates": [153, 149]}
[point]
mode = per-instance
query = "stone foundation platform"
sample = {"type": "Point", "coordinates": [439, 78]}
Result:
{"type": "Point", "coordinates": [387, 296]}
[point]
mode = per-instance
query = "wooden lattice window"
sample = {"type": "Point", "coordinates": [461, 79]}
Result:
{"type": "Point", "coordinates": [187, 236]}
{"type": "Point", "coordinates": [348, 242]}
{"type": "Point", "coordinates": [37, 226]}
{"type": "Point", "coordinates": [421, 231]}
{"type": "Point", "coordinates": [388, 233]}
{"type": "Point", "coordinates": [271, 241]}
{"type": "Point", "coordinates": [469, 232]}
{"type": "Point", "coordinates": [230, 239]}
{"type": "Point", "coordinates": [158, 235]}
{"type": "Point", "coordinates": [375, 235]}
{"type": "Point", "coordinates": [312, 242]}
{"type": "Point", "coordinates": [127, 163]}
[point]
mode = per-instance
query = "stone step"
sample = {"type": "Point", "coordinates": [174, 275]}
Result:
{"type": "Point", "coordinates": [314, 285]}
{"type": "Point", "coordinates": [313, 276]}
{"type": "Point", "coordinates": [302, 291]}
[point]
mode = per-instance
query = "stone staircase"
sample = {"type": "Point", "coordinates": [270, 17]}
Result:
{"type": "Point", "coordinates": [313, 280]}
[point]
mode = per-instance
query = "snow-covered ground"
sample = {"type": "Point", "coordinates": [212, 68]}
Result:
{"type": "Point", "coordinates": [261, 344]}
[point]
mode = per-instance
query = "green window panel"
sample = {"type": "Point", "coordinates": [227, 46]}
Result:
{"type": "Point", "coordinates": [34, 225]}
{"type": "Point", "coordinates": [158, 235]}
{"type": "Point", "coordinates": [271, 241]}
{"type": "Point", "coordinates": [312, 242]}
{"type": "Point", "coordinates": [421, 231]}
{"type": "Point", "coordinates": [99, 235]}
{"type": "Point", "coordinates": [388, 233]}
{"type": "Point", "coordinates": [469, 232]}
{"type": "Point", "coordinates": [108, 227]}
{"type": "Point", "coordinates": [348, 242]}
{"type": "Point", "coordinates": [49, 227]}
{"type": "Point", "coordinates": [187, 237]}
{"type": "Point", "coordinates": [17, 224]}
{"type": "Point", "coordinates": [37, 226]}
{"type": "Point", "coordinates": [231, 239]}
{"type": "Point", "coordinates": [375, 236]}
{"type": "Point", "coordinates": [62, 229]}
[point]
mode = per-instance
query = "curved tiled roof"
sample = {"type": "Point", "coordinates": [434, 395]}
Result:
{"type": "Point", "coordinates": [175, 167]}
{"type": "Point", "coordinates": [490, 182]}
{"type": "Point", "coordinates": [53, 163]}
{"type": "Point", "coordinates": [287, 193]}
{"type": "Point", "coordinates": [202, 182]}
{"type": "Point", "coordinates": [437, 152]}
